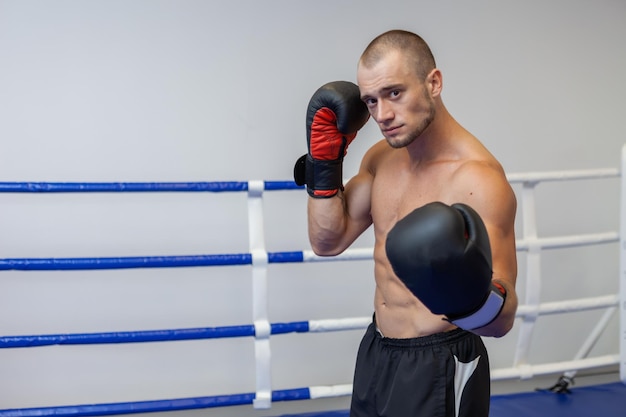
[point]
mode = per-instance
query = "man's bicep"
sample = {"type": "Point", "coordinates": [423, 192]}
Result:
{"type": "Point", "coordinates": [500, 224]}
{"type": "Point", "coordinates": [358, 202]}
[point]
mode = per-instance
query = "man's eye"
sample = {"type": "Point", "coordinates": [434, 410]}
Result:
{"type": "Point", "coordinates": [395, 93]}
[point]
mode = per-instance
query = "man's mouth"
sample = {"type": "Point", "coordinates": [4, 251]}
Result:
{"type": "Point", "coordinates": [391, 130]}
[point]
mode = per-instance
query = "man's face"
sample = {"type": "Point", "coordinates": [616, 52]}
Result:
{"type": "Point", "coordinates": [396, 98]}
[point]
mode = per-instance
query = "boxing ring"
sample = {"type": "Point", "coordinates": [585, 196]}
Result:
{"type": "Point", "coordinates": [261, 329]}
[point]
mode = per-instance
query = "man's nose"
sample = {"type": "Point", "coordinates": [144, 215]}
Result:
{"type": "Point", "coordinates": [384, 112]}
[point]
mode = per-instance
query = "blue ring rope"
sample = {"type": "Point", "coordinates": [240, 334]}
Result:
{"type": "Point", "coordinates": [72, 264]}
{"type": "Point", "coordinates": [67, 264]}
{"type": "Point", "coordinates": [154, 406]}
{"type": "Point", "coordinates": [106, 187]}
{"type": "Point", "coordinates": [144, 336]}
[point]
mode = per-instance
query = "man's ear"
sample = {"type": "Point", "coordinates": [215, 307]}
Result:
{"type": "Point", "coordinates": [434, 82]}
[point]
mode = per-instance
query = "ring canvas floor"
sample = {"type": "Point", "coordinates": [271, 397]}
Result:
{"type": "Point", "coordinates": [604, 400]}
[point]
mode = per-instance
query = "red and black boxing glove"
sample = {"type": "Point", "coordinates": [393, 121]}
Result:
{"type": "Point", "coordinates": [334, 115]}
{"type": "Point", "coordinates": [442, 254]}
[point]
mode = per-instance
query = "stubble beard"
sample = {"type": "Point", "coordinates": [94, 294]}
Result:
{"type": "Point", "coordinates": [406, 140]}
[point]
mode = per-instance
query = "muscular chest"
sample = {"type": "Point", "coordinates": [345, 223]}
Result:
{"type": "Point", "coordinates": [397, 192]}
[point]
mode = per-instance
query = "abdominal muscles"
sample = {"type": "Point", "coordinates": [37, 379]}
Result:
{"type": "Point", "coordinates": [399, 314]}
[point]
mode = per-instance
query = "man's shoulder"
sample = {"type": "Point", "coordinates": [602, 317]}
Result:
{"type": "Point", "coordinates": [480, 174]}
{"type": "Point", "coordinates": [377, 154]}
{"type": "Point", "coordinates": [481, 166]}
{"type": "Point", "coordinates": [484, 182]}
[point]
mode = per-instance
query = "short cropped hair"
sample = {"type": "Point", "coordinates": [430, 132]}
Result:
{"type": "Point", "coordinates": [417, 52]}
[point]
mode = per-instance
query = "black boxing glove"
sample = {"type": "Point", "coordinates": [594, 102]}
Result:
{"type": "Point", "coordinates": [334, 115]}
{"type": "Point", "coordinates": [442, 254]}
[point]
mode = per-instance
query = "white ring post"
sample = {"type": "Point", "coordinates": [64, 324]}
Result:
{"type": "Point", "coordinates": [622, 281]}
{"type": "Point", "coordinates": [262, 327]}
{"type": "Point", "coordinates": [533, 274]}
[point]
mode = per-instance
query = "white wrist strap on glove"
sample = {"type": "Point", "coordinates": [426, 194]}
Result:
{"type": "Point", "coordinates": [485, 314]}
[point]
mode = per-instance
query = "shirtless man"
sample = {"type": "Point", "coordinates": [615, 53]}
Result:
{"type": "Point", "coordinates": [413, 362]}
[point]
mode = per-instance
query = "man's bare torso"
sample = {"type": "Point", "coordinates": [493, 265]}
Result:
{"type": "Point", "coordinates": [399, 186]}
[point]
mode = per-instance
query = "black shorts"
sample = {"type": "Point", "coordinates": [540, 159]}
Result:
{"type": "Point", "coordinates": [441, 375]}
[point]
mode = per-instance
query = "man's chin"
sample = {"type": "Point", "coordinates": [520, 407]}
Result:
{"type": "Point", "coordinates": [397, 142]}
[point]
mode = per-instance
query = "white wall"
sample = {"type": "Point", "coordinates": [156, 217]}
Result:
{"type": "Point", "coordinates": [158, 90]}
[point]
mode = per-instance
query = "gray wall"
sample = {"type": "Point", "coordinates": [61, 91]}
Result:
{"type": "Point", "coordinates": [205, 91]}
